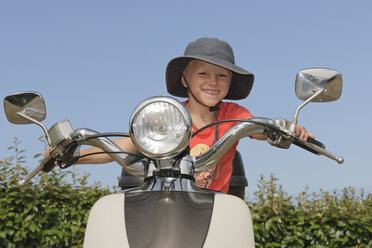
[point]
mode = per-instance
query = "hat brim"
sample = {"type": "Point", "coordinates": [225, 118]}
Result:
{"type": "Point", "coordinates": [241, 83]}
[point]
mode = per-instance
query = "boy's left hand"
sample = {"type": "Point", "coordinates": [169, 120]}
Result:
{"type": "Point", "coordinates": [303, 133]}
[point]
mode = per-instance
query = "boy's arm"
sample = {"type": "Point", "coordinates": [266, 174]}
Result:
{"type": "Point", "coordinates": [259, 136]}
{"type": "Point", "coordinates": [124, 143]}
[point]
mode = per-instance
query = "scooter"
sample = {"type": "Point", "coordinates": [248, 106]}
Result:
{"type": "Point", "coordinates": [169, 209]}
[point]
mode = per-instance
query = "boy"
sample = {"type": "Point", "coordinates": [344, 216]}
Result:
{"type": "Point", "coordinates": [206, 75]}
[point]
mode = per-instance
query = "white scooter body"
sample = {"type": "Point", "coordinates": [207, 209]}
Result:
{"type": "Point", "coordinates": [230, 225]}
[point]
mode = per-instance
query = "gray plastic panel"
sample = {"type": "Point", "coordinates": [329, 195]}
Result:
{"type": "Point", "coordinates": [167, 219]}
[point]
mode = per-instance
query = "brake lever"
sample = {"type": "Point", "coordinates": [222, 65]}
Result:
{"type": "Point", "coordinates": [70, 155]}
{"type": "Point", "coordinates": [317, 150]}
{"type": "Point", "coordinates": [280, 136]}
{"type": "Point", "coordinates": [46, 165]}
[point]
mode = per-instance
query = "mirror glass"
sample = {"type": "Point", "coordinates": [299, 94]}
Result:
{"type": "Point", "coordinates": [30, 104]}
{"type": "Point", "coordinates": [310, 81]}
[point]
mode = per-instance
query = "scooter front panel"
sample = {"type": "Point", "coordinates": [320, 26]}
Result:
{"type": "Point", "coordinates": [167, 218]}
{"type": "Point", "coordinates": [231, 224]}
{"type": "Point", "coordinates": [106, 223]}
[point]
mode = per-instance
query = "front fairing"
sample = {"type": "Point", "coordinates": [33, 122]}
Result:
{"type": "Point", "coordinates": [169, 219]}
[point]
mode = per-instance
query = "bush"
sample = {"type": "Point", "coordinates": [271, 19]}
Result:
{"type": "Point", "coordinates": [310, 220]}
{"type": "Point", "coordinates": [48, 211]}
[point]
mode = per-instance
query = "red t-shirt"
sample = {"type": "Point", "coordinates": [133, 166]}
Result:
{"type": "Point", "coordinates": [205, 139]}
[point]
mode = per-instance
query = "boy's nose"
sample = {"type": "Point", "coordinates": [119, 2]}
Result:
{"type": "Point", "coordinates": [212, 80]}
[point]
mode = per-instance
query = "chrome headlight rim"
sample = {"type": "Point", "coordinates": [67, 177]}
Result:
{"type": "Point", "coordinates": [187, 134]}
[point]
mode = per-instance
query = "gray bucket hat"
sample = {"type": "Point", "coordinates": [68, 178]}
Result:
{"type": "Point", "coordinates": [213, 51]}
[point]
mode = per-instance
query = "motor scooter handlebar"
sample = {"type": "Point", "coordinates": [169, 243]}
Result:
{"type": "Point", "coordinates": [82, 137]}
{"type": "Point", "coordinates": [209, 158]}
{"type": "Point", "coordinates": [203, 162]}
{"type": "Point", "coordinates": [46, 165]}
{"type": "Point", "coordinates": [256, 125]}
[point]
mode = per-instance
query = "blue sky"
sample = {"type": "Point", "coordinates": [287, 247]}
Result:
{"type": "Point", "coordinates": [94, 61]}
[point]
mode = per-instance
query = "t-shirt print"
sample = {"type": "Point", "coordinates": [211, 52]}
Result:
{"type": "Point", "coordinates": [202, 179]}
{"type": "Point", "coordinates": [205, 140]}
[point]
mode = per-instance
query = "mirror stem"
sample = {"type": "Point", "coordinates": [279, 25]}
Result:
{"type": "Point", "coordinates": [39, 124]}
{"type": "Point", "coordinates": [293, 125]}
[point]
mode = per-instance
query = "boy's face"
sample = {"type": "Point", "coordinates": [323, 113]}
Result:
{"type": "Point", "coordinates": [209, 83]}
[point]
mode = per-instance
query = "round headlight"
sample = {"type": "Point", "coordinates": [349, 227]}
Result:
{"type": "Point", "coordinates": [160, 127]}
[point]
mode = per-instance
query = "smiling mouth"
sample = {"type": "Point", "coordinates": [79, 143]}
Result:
{"type": "Point", "coordinates": [211, 92]}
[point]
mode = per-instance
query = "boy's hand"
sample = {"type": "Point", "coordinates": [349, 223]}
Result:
{"type": "Point", "coordinates": [47, 151]}
{"type": "Point", "coordinates": [303, 133]}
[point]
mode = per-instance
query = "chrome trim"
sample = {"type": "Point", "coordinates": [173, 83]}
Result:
{"type": "Point", "coordinates": [293, 126]}
{"type": "Point", "coordinates": [322, 151]}
{"type": "Point", "coordinates": [168, 184]}
{"type": "Point", "coordinates": [186, 165]}
{"type": "Point", "coordinates": [206, 160]}
{"type": "Point", "coordinates": [30, 103]}
{"type": "Point", "coordinates": [37, 123]}
{"type": "Point", "coordinates": [309, 81]}
{"type": "Point", "coordinates": [165, 164]}
{"type": "Point", "coordinates": [136, 169]}
{"type": "Point", "coordinates": [187, 135]}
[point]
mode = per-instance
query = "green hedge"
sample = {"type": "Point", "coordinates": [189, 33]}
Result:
{"type": "Point", "coordinates": [311, 220]}
{"type": "Point", "coordinates": [52, 211]}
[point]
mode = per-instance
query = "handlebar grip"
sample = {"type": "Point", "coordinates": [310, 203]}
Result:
{"type": "Point", "coordinates": [315, 142]}
{"type": "Point", "coordinates": [49, 165]}
{"type": "Point", "coordinates": [312, 141]}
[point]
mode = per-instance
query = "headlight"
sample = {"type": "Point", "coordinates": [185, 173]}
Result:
{"type": "Point", "coordinates": [160, 127]}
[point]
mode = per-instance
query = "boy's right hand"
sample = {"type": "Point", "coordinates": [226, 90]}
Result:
{"type": "Point", "coordinates": [47, 151]}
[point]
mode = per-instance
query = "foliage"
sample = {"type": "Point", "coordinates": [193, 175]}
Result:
{"type": "Point", "coordinates": [49, 211]}
{"type": "Point", "coordinates": [311, 220]}
{"type": "Point", "coordinates": [52, 211]}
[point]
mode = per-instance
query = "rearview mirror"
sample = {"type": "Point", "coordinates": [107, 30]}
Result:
{"type": "Point", "coordinates": [316, 85]}
{"type": "Point", "coordinates": [326, 82]}
{"type": "Point", "coordinates": [22, 107]}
